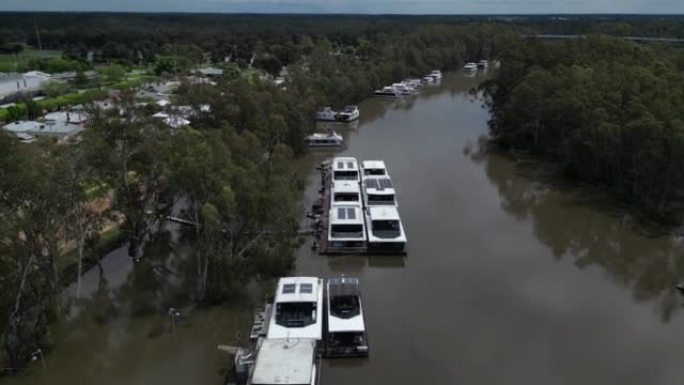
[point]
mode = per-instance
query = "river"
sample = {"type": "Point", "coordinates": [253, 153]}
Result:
{"type": "Point", "coordinates": [510, 278]}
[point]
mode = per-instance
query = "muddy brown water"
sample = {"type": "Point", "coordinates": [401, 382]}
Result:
{"type": "Point", "coordinates": [508, 279]}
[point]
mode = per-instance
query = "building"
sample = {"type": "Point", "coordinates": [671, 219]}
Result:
{"type": "Point", "coordinates": [56, 129]}
{"type": "Point", "coordinates": [210, 72]}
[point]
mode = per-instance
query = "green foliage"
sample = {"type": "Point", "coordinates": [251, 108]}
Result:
{"type": "Point", "coordinates": [607, 110]}
{"type": "Point", "coordinates": [113, 73]}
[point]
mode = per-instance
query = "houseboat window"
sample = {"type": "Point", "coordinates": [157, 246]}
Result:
{"type": "Point", "coordinates": [386, 229]}
{"type": "Point", "coordinates": [350, 165]}
{"type": "Point", "coordinates": [305, 288]}
{"type": "Point", "coordinates": [346, 231]}
{"type": "Point", "coordinates": [346, 197]}
{"type": "Point", "coordinates": [344, 306]}
{"type": "Point", "coordinates": [346, 175]}
{"type": "Point", "coordinates": [289, 288]}
{"type": "Point", "coordinates": [296, 314]}
{"type": "Point", "coordinates": [381, 199]}
{"type": "Point", "coordinates": [342, 339]}
{"type": "Point", "coordinates": [374, 171]}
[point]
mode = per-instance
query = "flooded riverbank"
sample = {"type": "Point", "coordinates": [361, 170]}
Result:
{"type": "Point", "coordinates": [507, 279]}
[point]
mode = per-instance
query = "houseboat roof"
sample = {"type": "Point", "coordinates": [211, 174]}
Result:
{"type": "Point", "coordinates": [384, 213]}
{"type": "Point", "coordinates": [346, 214]}
{"type": "Point", "coordinates": [285, 361]}
{"type": "Point", "coordinates": [297, 289]}
{"type": "Point", "coordinates": [374, 164]}
{"type": "Point", "coordinates": [345, 287]}
{"type": "Point", "coordinates": [345, 164]}
{"type": "Point", "coordinates": [379, 186]}
{"type": "Point", "coordinates": [345, 186]}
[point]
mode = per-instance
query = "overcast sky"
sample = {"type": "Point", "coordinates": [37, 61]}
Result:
{"type": "Point", "coordinates": [354, 6]}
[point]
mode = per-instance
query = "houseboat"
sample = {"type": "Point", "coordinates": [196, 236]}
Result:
{"type": "Point", "coordinates": [345, 192]}
{"type": "Point", "coordinates": [385, 231]}
{"type": "Point", "coordinates": [280, 361]}
{"type": "Point", "coordinates": [348, 114]}
{"type": "Point", "coordinates": [345, 169]}
{"type": "Point", "coordinates": [427, 80]}
{"type": "Point", "coordinates": [378, 191]}
{"type": "Point", "coordinates": [470, 67]}
{"type": "Point", "coordinates": [414, 83]}
{"type": "Point", "coordinates": [330, 139]}
{"type": "Point", "coordinates": [297, 309]}
{"type": "Point", "coordinates": [326, 114]}
{"type": "Point", "coordinates": [346, 229]}
{"type": "Point", "coordinates": [373, 168]}
{"type": "Point", "coordinates": [387, 91]}
{"type": "Point", "coordinates": [346, 331]}
{"type": "Point", "coordinates": [483, 64]}
{"type": "Point", "coordinates": [404, 89]}
{"type": "Point", "coordinates": [436, 74]}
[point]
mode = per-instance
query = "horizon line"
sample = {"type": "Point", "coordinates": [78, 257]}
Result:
{"type": "Point", "coordinates": [333, 13]}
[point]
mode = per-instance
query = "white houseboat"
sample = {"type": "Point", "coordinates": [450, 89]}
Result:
{"type": "Point", "coordinates": [346, 331]}
{"type": "Point", "coordinates": [470, 67]}
{"type": "Point", "coordinates": [436, 74]}
{"type": "Point", "coordinates": [346, 229]}
{"type": "Point", "coordinates": [284, 361]}
{"type": "Point", "coordinates": [483, 64]}
{"type": "Point", "coordinates": [331, 139]}
{"type": "Point", "coordinates": [326, 114]}
{"type": "Point", "coordinates": [378, 191]}
{"type": "Point", "coordinates": [387, 91]}
{"type": "Point", "coordinates": [373, 168]}
{"type": "Point", "coordinates": [404, 89]}
{"type": "Point", "coordinates": [345, 169]}
{"type": "Point", "coordinates": [348, 114]}
{"type": "Point", "coordinates": [345, 192]}
{"type": "Point", "coordinates": [297, 309]}
{"type": "Point", "coordinates": [385, 231]}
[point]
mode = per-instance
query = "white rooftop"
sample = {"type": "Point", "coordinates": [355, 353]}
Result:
{"type": "Point", "coordinates": [353, 324]}
{"type": "Point", "coordinates": [346, 186]}
{"type": "Point", "coordinates": [384, 213]}
{"type": "Point", "coordinates": [345, 164]}
{"type": "Point", "coordinates": [380, 185]}
{"type": "Point", "coordinates": [374, 164]}
{"type": "Point", "coordinates": [297, 289]}
{"type": "Point", "coordinates": [67, 117]}
{"type": "Point", "coordinates": [346, 214]}
{"type": "Point", "coordinates": [285, 361]}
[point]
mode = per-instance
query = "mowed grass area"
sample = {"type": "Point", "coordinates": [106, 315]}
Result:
{"type": "Point", "coordinates": [9, 62]}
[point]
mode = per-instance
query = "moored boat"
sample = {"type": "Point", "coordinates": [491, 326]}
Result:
{"type": "Point", "coordinates": [345, 192]}
{"type": "Point", "coordinates": [348, 114]}
{"type": "Point", "coordinates": [326, 114]}
{"type": "Point", "coordinates": [470, 67]}
{"type": "Point", "coordinates": [346, 330]}
{"type": "Point", "coordinates": [387, 91]}
{"type": "Point", "coordinates": [346, 229]}
{"type": "Point", "coordinates": [284, 361]}
{"type": "Point", "coordinates": [331, 139]}
{"type": "Point", "coordinates": [345, 168]}
{"type": "Point", "coordinates": [436, 74]}
{"type": "Point", "coordinates": [385, 230]}
{"type": "Point", "coordinates": [378, 191]}
{"type": "Point", "coordinates": [483, 64]}
{"type": "Point", "coordinates": [373, 168]}
{"type": "Point", "coordinates": [297, 309]}
{"type": "Point", "coordinates": [404, 89]}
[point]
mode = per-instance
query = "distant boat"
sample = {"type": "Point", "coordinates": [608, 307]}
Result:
{"type": "Point", "coordinates": [326, 114]}
{"type": "Point", "coordinates": [470, 67]}
{"type": "Point", "coordinates": [387, 91]}
{"type": "Point", "coordinates": [348, 114]}
{"type": "Point", "coordinates": [404, 89]}
{"type": "Point", "coordinates": [428, 79]}
{"type": "Point", "coordinates": [436, 74]}
{"type": "Point", "coordinates": [385, 230]}
{"type": "Point", "coordinates": [483, 64]}
{"type": "Point", "coordinates": [331, 139]}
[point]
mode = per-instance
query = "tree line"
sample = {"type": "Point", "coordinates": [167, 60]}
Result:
{"type": "Point", "coordinates": [608, 111]}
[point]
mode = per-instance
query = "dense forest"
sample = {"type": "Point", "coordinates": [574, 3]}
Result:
{"type": "Point", "coordinates": [608, 111]}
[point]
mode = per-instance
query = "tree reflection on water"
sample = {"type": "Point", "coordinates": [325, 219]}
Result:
{"type": "Point", "coordinates": [588, 226]}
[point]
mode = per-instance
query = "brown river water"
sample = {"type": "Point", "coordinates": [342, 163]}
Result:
{"type": "Point", "coordinates": [509, 278]}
